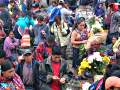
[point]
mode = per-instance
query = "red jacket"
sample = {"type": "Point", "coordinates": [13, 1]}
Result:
{"type": "Point", "coordinates": [43, 51]}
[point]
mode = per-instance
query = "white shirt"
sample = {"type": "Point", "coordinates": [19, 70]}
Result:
{"type": "Point", "coordinates": [64, 12]}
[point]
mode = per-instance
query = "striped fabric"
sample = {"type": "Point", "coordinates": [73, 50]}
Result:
{"type": "Point", "coordinates": [25, 41]}
{"type": "Point", "coordinates": [16, 84]}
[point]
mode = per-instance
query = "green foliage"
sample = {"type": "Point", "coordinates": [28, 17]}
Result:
{"type": "Point", "coordinates": [97, 67]}
{"type": "Point", "coordinates": [82, 49]}
{"type": "Point", "coordinates": [91, 21]}
{"type": "Point", "coordinates": [96, 30]}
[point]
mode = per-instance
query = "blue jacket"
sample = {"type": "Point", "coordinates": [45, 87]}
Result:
{"type": "Point", "coordinates": [55, 12]}
{"type": "Point", "coordinates": [99, 11]}
{"type": "Point", "coordinates": [6, 2]}
{"type": "Point", "coordinates": [24, 8]}
{"type": "Point", "coordinates": [98, 85]}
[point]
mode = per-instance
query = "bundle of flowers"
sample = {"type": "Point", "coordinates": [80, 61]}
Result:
{"type": "Point", "coordinates": [94, 64]}
{"type": "Point", "coordinates": [95, 24]}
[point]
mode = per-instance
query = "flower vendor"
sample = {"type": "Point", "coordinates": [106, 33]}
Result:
{"type": "Point", "coordinates": [79, 37]}
{"type": "Point", "coordinates": [114, 26]}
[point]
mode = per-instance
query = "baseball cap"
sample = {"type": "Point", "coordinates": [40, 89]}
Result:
{"type": "Point", "coordinates": [27, 51]}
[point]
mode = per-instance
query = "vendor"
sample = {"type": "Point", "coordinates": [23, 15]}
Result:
{"type": "Point", "coordinates": [79, 37]}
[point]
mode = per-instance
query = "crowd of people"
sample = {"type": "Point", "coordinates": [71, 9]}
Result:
{"type": "Point", "coordinates": [37, 43]}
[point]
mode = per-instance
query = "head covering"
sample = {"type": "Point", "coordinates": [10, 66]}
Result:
{"type": "Point", "coordinates": [6, 66]}
{"type": "Point", "coordinates": [115, 6]}
{"type": "Point", "coordinates": [27, 51]}
{"type": "Point", "coordinates": [40, 17]}
{"type": "Point", "coordinates": [61, 1]}
{"type": "Point", "coordinates": [112, 81]}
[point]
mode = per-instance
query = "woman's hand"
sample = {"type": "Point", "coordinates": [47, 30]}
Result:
{"type": "Point", "coordinates": [84, 42]}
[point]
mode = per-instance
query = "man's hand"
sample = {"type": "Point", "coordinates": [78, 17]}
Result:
{"type": "Point", "coordinates": [62, 80]}
{"type": "Point", "coordinates": [55, 78]}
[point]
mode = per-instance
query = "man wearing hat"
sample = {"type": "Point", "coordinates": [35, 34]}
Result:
{"type": "Point", "coordinates": [9, 80]}
{"type": "Point", "coordinates": [41, 30]}
{"type": "Point", "coordinates": [28, 70]}
{"type": "Point", "coordinates": [115, 23]}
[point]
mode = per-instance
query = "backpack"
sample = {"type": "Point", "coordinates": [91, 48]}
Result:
{"type": "Point", "coordinates": [25, 41]}
{"type": "Point", "coordinates": [55, 12]}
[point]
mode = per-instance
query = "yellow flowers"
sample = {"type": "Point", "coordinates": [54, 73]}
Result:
{"type": "Point", "coordinates": [96, 60]}
{"type": "Point", "coordinates": [84, 64]}
{"type": "Point", "coordinates": [106, 59]}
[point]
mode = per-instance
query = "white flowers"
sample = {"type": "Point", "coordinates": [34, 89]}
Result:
{"type": "Point", "coordinates": [96, 56]}
{"type": "Point", "coordinates": [86, 86]}
{"type": "Point", "coordinates": [97, 25]}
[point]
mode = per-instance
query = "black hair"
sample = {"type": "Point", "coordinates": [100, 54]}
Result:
{"type": "Point", "coordinates": [116, 73]}
{"type": "Point", "coordinates": [10, 31]}
{"type": "Point", "coordinates": [119, 7]}
{"type": "Point", "coordinates": [78, 21]}
{"type": "Point", "coordinates": [6, 65]}
{"type": "Point", "coordinates": [2, 54]}
{"type": "Point", "coordinates": [61, 3]}
{"type": "Point", "coordinates": [51, 38]}
{"type": "Point", "coordinates": [111, 68]}
{"type": "Point", "coordinates": [11, 1]}
{"type": "Point", "coordinates": [115, 36]}
{"type": "Point", "coordinates": [56, 50]}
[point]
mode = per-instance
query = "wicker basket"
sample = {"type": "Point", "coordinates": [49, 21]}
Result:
{"type": "Point", "coordinates": [73, 85]}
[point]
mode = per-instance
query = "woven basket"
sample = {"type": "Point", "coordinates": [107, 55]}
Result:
{"type": "Point", "coordinates": [100, 37]}
{"type": "Point", "coordinates": [73, 85]}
